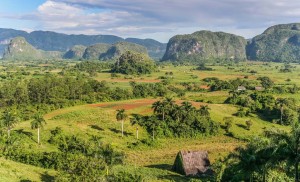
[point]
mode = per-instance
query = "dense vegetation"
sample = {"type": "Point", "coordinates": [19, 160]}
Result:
{"type": "Point", "coordinates": [272, 157]}
{"type": "Point", "coordinates": [204, 45]}
{"type": "Point", "coordinates": [279, 43]}
{"type": "Point", "coordinates": [208, 112]}
{"type": "Point", "coordinates": [134, 63]}
{"type": "Point", "coordinates": [52, 41]}
{"type": "Point", "coordinates": [20, 49]}
{"type": "Point", "coordinates": [172, 120]}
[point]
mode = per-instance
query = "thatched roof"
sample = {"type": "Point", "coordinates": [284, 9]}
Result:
{"type": "Point", "coordinates": [259, 88]}
{"type": "Point", "coordinates": [192, 163]}
{"type": "Point", "coordinates": [241, 88]}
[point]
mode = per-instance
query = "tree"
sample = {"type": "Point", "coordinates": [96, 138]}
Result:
{"type": "Point", "coordinates": [288, 147]}
{"type": "Point", "coordinates": [280, 102]}
{"type": "Point", "coordinates": [266, 82]}
{"type": "Point", "coordinates": [121, 116]}
{"type": "Point", "coordinates": [37, 123]}
{"type": "Point", "coordinates": [228, 123]}
{"type": "Point", "coordinates": [154, 123]}
{"type": "Point", "coordinates": [187, 106]}
{"type": "Point", "coordinates": [204, 111]}
{"type": "Point", "coordinates": [159, 108]}
{"type": "Point", "coordinates": [249, 124]}
{"type": "Point", "coordinates": [134, 63]}
{"type": "Point", "coordinates": [8, 120]}
{"type": "Point", "coordinates": [168, 104]}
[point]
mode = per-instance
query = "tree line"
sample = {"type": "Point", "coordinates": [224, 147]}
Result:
{"type": "Point", "coordinates": [173, 120]}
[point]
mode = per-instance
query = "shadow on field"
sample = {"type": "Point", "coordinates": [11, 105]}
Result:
{"type": "Point", "coordinates": [161, 166]}
{"type": "Point", "coordinates": [119, 131]}
{"type": "Point", "coordinates": [173, 177]}
{"type": "Point", "coordinates": [25, 180]}
{"type": "Point", "coordinates": [169, 176]}
{"type": "Point", "coordinates": [96, 127]}
{"type": "Point", "coordinates": [45, 177]}
{"type": "Point", "coordinates": [242, 126]}
{"type": "Point", "coordinates": [21, 131]}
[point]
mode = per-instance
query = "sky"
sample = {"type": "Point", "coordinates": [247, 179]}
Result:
{"type": "Point", "coordinates": [157, 19]}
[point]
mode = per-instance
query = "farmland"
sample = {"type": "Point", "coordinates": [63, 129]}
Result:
{"type": "Point", "coordinates": [143, 156]}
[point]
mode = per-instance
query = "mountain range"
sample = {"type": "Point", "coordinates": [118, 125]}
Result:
{"type": "Point", "coordinates": [52, 41]}
{"type": "Point", "coordinates": [279, 43]}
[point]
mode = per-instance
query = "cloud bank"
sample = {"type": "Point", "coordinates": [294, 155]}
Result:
{"type": "Point", "coordinates": [162, 18]}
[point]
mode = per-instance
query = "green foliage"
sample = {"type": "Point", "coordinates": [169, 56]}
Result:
{"type": "Point", "coordinates": [134, 63]}
{"type": "Point", "coordinates": [279, 43]}
{"type": "Point", "coordinates": [91, 67]}
{"type": "Point", "coordinates": [274, 156]}
{"type": "Point", "coordinates": [228, 123]}
{"type": "Point", "coordinates": [20, 49]}
{"type": "Point", "coordinates": [202, 67]}
{"type": "Point", "coordinates": [75, 52]}
{"type": "Point", "coordinates": [204, 45]}
{"type": "Point", "coordinates": [175, 120]}
{"type": "Point", "coordinates": [248, 124]}
{"type": "Point", "coordinates": [94, 52]}
{"type": "Point", "coordinates": [76, 159]}
{"type": "Point", "coordinates": [266, 82]}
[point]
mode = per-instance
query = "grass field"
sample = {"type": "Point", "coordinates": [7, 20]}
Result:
{"type": "Point", "coordinates": [155, 160]}
{"type": "Point", "coordinates": [12, 171]}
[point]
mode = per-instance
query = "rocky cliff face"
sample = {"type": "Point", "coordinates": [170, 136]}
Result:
{"type": "Point", "coordinates": [280, 43]}
{"type": "Point", "coordinates": [94, 52]}
{"type": "Point", "coordinates": [20, 49]}
{"type": "Point", "coordinates": [75, 52]}
{"type": "Point", "coordinates": [155, 49]}
{"type": "Point", "coordinates": [205, 45]}
{"type": "Point", "coordinates": [116, 50]}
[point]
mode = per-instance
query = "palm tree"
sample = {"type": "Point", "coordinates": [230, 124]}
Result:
{"type": "Point", "coordinates": [169, 103]}
{"type": "Point", "coordinates": [158, 108]}
{"type": "Point", "coordinates": [37, 123]}
{"type": "Point", "coordinates": [187, 106]}
{"type": "Point", "coordinates": [136, 119]}
{"type": "Point", "coordinates": [281, 103]}
{"type": "Point", "coordinates": [154, 123]}
{"type": "Point", "coordinates": [121, 116]}
{"type": "Point", "coordinates": [255, 157]}
{"type": "Point", "coordinates": [8, 120]}
{"type": "Point", "coordinates": [204, 110]}
{"type": "Point", "coordinates": [178, 112]}
{"type": "Point", "coordinates": [288, 148]}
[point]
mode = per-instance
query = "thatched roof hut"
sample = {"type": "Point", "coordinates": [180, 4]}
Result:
{"type": "Point", "coordinates": [192, 163]}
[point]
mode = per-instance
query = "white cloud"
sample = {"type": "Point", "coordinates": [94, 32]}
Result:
{"type": "Point", "coordinates": [162, 18]}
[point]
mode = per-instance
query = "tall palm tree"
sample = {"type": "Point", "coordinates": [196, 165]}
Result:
{"type": "Point", "coordinates": [187, 106]}
{"type": "Point", "coordinates": [121, 116]}
{"type": "Point", "coordinates": [8, 120]}
{"type": "Point", "coordinates": [136, 119]}
{"type": "Point", "coordinates": [154, 123]}
{"type": "Point", "coordinates": [37, 123]}
{"type": "Point", "coordinates": [158, 108]}
{"type": "Point", "coordinates": [289, 147]}
{"type": "Point", "coordinates": [178, 112]}
{"type": "Point", "coordinates": [280, 102]}
{"type": "Point", "coordinates": [169, 103]}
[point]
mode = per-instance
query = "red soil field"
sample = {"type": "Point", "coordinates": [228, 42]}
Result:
{"type": "Point", "coordinates": [133, 104]}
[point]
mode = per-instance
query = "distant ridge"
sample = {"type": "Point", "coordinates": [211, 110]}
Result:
{"type": "Point", "coordinates": [19, 49]}
{"type": "Point", "coordinates": [279, 43]}
{"type": "Point", "coordinates": [52, 41]}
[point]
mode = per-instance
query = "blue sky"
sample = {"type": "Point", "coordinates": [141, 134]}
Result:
{"type": "Point", "coordinates": [158, 19]}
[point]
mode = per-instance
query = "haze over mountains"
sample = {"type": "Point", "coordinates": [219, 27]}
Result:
{"type": "Point", "coordinates": [52, 41]}
{"type": "Point", "coordinates": [279, 43]}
